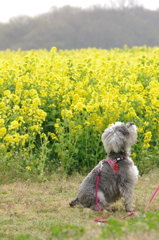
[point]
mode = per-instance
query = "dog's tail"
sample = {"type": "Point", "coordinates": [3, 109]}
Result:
{"type": "Point", "coordinates": [74, 202]}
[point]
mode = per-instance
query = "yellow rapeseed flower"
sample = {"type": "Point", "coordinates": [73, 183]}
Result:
{"type": "Point", "coordinates": [36, 102]}
{"type": "Point", "coordinates": [35, 128]}
{"type": "Point", "coordinates": [41, 114]}
{"type": "Point", "coordinates": [1, 122]}
{"type": "Point", "coordinates": [28, 168]}
{"type": "Point", "coordinates": [147, 137]}
{"type": "Point", "coordinates": [146, 145]}
{"type": "Point", "coordinates": [16, 108]}
{"type": "Point", "coordinates": [43, 135]}
{"type": "Point", "coordinates": [7, 93]}
{"type": "Point", "coordinates": [16, 138]}
{"type": "Point", "coordinates": [79, 106]}
{"type": "Point", "coordinates": [1, 81]}
{"type": "Point", "coordinates": [2, 132]}
{"type": "Point", "coordinates": [9, 139]}
{"type": "Point", "coordinates": [53, 136]}
{"type": "Point", "coordinates": [13, 125]}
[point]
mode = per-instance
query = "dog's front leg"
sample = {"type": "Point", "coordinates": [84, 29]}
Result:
{"type": "Point", "coordinates": [127, 195]}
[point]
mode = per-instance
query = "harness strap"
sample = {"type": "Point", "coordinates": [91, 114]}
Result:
{"type": "Point", "coordinates": [113, 164]}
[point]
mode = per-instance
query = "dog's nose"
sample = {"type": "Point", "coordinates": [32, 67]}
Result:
{"type": "Point", "coordinates": [130, 124]}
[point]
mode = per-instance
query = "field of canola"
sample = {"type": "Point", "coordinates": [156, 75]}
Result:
{"type": "Point", "coordinates": [55, 105]}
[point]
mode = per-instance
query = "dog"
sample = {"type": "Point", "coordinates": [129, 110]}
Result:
{"type": "Point", "coordinates": [115, 183]}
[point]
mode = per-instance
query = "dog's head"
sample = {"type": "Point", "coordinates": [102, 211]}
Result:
{"type": "Point", "coordinates": [119, 137]}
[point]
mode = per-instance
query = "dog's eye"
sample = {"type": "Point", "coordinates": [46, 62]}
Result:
{"type": "Point", "coordinates": [124, 131]}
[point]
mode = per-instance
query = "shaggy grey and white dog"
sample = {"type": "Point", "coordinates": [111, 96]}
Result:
{"type": "Point", "coordinates": [117, 140]}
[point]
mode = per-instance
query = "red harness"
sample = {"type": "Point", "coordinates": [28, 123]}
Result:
{"type": "Point", "coordinates": [113, 164]}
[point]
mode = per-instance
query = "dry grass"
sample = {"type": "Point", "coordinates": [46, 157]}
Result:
{"type": "Point", "coordinates": [40, 211]}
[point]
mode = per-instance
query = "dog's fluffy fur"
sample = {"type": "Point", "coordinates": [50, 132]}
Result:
{"type": "Point", "coordinates": [117, 140]}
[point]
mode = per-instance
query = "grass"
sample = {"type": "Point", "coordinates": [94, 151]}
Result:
{"type": "Point", "coordinates": [40, 211]}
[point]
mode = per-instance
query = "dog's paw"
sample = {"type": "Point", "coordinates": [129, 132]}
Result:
{"type": "Point", "coordinates": [111, 209]}
{"type": "Point", "coordinates": [74, 202]}
{"type": "Point", "coordinates": [129, 209]}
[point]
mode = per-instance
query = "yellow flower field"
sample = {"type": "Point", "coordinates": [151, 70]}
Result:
{"type": "Point", "coordinates": [55, 104]}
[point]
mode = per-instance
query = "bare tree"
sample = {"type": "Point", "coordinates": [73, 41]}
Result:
{"type": "Point", "coordinates": [122, 4]}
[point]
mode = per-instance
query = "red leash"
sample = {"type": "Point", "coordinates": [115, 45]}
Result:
{"type": "Point", "coordinates": [100, 220]}
{"type": "Point", "coordinates": [114, 165]}
{"type": "Point", "coordinates": [152, 197]}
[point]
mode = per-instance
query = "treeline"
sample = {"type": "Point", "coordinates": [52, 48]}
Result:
{"type": "Point", "coordinates": [70, 28]}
